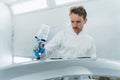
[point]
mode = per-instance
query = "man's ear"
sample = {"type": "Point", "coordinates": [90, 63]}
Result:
{"type": "Point", "coordinates": [85, 20]}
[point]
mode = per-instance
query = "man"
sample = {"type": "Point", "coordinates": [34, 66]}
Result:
{"type": "Point", "coordinates": [73, 42]}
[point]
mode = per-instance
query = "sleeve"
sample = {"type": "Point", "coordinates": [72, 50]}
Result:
{"type": "Point", "coordinates": [53, 44]}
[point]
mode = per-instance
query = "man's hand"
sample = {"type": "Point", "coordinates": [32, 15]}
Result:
{"type": "Point", "coordinates": [38, 52]}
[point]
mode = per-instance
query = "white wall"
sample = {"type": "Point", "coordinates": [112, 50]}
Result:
{"type": "Point", "coordinates": [103, 24]}
{"type": "Point", "coordinates": [5, 36]}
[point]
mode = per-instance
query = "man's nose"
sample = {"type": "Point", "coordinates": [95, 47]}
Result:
{"type": "Point", "coordinates": [74, 25]}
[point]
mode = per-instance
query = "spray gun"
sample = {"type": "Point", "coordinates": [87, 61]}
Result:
{"type": "Point", "coordinates": [41, 38]}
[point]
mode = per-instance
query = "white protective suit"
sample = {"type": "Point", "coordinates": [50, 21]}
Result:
{"type": "Point", "coordinates": [70, 45]}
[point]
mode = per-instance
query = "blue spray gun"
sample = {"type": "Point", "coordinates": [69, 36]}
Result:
{"type": "Point", "coordinates": [41, 38]}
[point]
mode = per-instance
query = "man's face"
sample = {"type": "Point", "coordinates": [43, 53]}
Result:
{"type": "Point", "coordinates": [77, 22]}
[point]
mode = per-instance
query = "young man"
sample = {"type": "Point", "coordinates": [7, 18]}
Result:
{"type": "Point", "coordinates": [73, 42]}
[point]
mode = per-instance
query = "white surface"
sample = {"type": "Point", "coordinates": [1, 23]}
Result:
{"type": "Point", "coordinates": [59, 68]}
{"type": "Point", "coordinates": [5, 35]}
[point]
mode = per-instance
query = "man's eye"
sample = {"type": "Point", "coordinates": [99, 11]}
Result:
{"type": "Point", "coordinates": [78, 22]}
{"type": "Point", "coordinates": [72, 21]}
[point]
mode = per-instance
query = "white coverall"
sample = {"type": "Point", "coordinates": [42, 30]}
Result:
{"type": "Point", "coordinates": [70, 45]}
